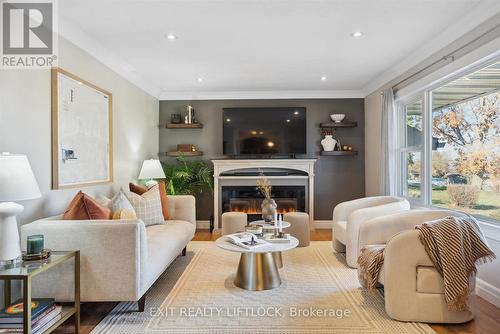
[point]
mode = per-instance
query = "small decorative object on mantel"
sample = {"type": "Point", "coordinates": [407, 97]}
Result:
{"type": "Point", "coordinates": [328, 142]}
{"type": "Point", "coordinates": [268, 204]}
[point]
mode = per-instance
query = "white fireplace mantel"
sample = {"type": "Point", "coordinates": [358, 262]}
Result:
{"type": "Point", "coordinates": [222, 166]}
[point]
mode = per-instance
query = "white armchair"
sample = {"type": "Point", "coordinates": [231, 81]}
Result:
{"type": "Point", "coordinates": [348, 217]}
{"type": "Point", "coordinates": [413, 289]}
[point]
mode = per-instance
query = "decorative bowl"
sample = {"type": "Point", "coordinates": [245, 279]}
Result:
{"type": "Point", "coordinates": [337, 118]}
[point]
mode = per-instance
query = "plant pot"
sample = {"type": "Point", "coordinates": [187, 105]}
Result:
{"type": "Point", "coordinates": [268, 209]}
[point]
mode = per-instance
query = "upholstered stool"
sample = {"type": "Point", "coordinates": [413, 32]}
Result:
{"type": "Point", "coordinates": [299, 228]}
{"type": "Point", "coordinates": [233, 222]}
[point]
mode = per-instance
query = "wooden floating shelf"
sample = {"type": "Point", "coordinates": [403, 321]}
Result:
{"type": "Point", "coordinates": [338, 153]}
{"type": "Point", "coordinates": [184, 126]}
{"type": "Point", "coordinates": [186, 154]}
{"type": "Point", "coordinates": [339, 125]}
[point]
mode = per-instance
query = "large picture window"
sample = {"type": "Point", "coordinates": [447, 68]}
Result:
{"type": "Point", "coordinates": [462, 153]}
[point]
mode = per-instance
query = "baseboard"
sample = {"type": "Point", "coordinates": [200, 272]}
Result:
{"type": "Point", "coordinates": [202, 224]}
{"type": "Point", "coordinates": [487, 291]}
{"type": "Point", "coordinates": [323, 224]}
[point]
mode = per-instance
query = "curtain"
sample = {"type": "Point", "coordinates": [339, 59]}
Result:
{"type": "Point", "coordinates": [389, 146]}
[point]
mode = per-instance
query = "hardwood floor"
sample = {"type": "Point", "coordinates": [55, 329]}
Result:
{"type": "Point", "coordinates": [487, 319]}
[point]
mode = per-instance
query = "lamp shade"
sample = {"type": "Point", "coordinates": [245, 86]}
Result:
{"type": "Point", "coordinates": [151, 169]}
{"type": "Point", "coordinates": [17, 181]}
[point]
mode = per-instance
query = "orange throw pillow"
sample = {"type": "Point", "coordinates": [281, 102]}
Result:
{"type": "Point", "coordinates": [139, 190]}
{"type": "Point", "coordinates": [163, 198]}
{"type": "Point", "coordinates": [84, 207]}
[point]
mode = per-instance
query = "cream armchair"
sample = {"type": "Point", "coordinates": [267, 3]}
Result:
{"type": "Point", "coordinates": [348, 217]}
{"type": "Point", "coordinates": [413, 289]}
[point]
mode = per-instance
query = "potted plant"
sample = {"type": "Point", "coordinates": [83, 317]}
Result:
{"type": "Point", "coordinates": [189, 177]}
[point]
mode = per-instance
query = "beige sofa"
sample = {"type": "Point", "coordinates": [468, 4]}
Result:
{"type": "Point", "coordinates": [348, 217]}
{"type": "Point", "coordinates": [413, 288]}
{"type": "Point", "coordinates": [120, 260]}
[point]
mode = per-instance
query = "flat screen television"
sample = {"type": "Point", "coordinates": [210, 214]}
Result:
{"type": "Point", "coordinates": [264, 131]}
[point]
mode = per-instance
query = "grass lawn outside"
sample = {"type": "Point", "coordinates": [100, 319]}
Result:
{"type": "Point", "coordinates": [488, 204]}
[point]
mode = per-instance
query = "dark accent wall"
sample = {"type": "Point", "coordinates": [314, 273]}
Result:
{"type": "Point", "coordinates": [337, 178]}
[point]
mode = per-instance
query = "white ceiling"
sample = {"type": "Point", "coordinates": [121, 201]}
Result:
{"type": "Point", "coordinates": [266, 48]}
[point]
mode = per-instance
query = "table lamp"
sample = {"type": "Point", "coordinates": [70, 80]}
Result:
{"type": "Point", "coordinates": [17, 183]}
{"type": "Point", "coordinates": [151, 169]}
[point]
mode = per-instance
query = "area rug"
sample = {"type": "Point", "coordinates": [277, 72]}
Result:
{"type": "Point", "coordinates": [319, 294]}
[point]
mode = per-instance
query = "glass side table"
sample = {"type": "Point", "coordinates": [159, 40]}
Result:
{"type": "Point", "coordinates": [25, 271]}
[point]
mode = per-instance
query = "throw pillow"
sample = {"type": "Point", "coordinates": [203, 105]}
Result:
{"type": "Point", "coordinates": [147, 206]}
{"type": "Point", "coordinates": [163, 198]}
{"type": "Point", "coordinates": [121, 204]}
{"type": "Point", "coordinates": [84, 207]}
{"type": "Point", "coordinates": [137, 189]}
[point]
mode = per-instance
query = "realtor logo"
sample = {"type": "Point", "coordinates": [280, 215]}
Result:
{"type": "Point", "coordinates": [28, 34]}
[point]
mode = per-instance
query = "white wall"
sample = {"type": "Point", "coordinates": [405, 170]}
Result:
{"type": "Point", "coordinates": [25, 125]}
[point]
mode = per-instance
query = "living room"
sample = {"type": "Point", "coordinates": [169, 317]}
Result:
{"type": "Point", "coordinates": [250, 166]}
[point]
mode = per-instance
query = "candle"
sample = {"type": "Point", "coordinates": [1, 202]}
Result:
{"type": "Point", "coordinates": [280, 224]}
{"type": "Point", "coordinates": [35, 244]}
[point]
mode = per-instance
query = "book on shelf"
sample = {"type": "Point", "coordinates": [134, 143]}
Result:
{"type": "Point", "coordinates": [41, 326]}
{"type": "Point", "coordinates": [13, 313]}
{"type": "Point", "coordinates": [245, 240]}
{"type": "Point", "coordinates": [44, 313]}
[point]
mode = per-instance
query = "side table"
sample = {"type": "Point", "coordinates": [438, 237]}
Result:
{"type": "Point", "coordinates": [25, 272]}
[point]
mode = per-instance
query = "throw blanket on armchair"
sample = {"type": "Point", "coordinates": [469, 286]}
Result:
{"type": "Point", "coordinates": [454, 246]}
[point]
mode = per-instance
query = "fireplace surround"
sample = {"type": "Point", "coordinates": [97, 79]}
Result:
{"type": "Point", "coordinates": [292, 181]}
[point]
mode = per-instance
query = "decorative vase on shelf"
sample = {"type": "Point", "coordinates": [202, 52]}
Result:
{"type": "Point", "coordinates": [268, 209]}
{"type": "Point", "coordinates": [328, 143]}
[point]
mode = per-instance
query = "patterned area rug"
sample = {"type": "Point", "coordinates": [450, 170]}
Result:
{"type": "Point", "coordinates": [319, 294]}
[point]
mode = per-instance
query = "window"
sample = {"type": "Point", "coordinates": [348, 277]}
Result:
{"type": "Point", "coordinates": [458, 165]}
{"type": "Point", "coordinates": [411, 154]}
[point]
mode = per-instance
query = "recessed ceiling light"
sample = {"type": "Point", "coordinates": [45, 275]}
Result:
{"type": "Point", "coordinates": [323, 78]}
{"type": "Point", "coordinates": [171, 37]}
{"type": "Point", "coordinates": [228, 120]}
{"type": "Point", "coordinates": [288, 121]}
{"type": "Point", "coordinates": [295, 112]}
{"type": "Point", "coordinates": [357, 34]}
{"type": "Point", "coordinates": [200, 79]}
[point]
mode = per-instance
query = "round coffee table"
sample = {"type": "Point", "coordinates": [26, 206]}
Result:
{"type": "Point", "coordinates": [277, 255]}
{"type": "Point", "coordinates": [257, 269]}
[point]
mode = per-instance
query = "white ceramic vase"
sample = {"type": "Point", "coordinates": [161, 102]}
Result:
{"type": "Point", "coordinates": [328, 143]}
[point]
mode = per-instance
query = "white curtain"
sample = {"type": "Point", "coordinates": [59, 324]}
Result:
{"type": "Point", "coordinates": [389, 148]}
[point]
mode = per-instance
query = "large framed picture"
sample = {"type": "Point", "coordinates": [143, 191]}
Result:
{"type": "Point", "coordinates": [82, 136]}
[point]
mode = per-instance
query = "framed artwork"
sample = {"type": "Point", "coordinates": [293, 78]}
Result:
{"type": "Point", "coordinates": [82, 136]}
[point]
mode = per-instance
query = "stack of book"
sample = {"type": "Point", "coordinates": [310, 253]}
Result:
{"type": "Point", "coordinates": [44, 313]}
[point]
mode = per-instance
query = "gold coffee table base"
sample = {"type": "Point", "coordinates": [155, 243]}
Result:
{"type": "Point", "coordinates": [278, 259]}
{"type": "Point", "coordinates": [258, 271]}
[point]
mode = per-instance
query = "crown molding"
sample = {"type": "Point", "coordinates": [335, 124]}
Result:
{"type": "Point", "coordinates": [263, 95]}
{"type": "Point", "coordinates": [468, 23]}
{"type": "Point", "coordinates": [77, 36]}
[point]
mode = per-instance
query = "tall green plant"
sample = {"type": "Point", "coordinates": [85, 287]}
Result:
{"type": "Point", "coordinates": [188, 177]}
